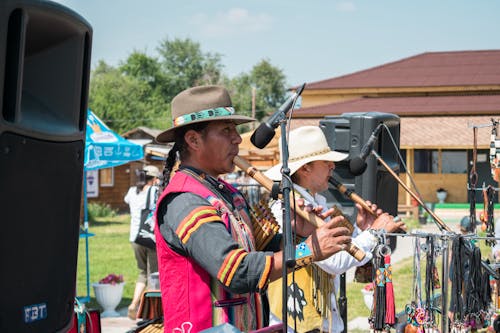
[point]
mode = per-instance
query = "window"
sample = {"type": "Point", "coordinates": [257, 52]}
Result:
{"type": "Point", "coordinates": [107, 177]}
{"type": "Point", "coordinates": [453, 161]}
{"type": "Point", "coordinates": [425, 161]}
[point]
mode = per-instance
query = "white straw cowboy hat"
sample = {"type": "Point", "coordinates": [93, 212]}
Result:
{"type": "Point", "coordinates": [305, 144]}
{"type": "Point", "coordinates": [200, 104]}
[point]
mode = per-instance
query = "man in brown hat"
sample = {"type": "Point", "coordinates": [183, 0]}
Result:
{"type": "Point", "coordinates": [210, 272]}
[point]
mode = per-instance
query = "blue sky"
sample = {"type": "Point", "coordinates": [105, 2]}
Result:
{"type": "Point", "coordinates": [309, 40]}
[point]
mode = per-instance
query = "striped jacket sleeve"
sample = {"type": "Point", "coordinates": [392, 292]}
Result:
{"type": "Point", "coordinates": [192, 227]}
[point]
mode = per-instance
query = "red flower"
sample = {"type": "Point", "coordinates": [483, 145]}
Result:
{"type": "Point", "coordinates": [112, 279]}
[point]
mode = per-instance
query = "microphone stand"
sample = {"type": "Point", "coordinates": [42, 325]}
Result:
{"type": "Point", "coordinates": [288, 259]}
{"type": "Point", "coordinates": [342, 305]}
{"type": "Point", "coordinates": [288, 248]}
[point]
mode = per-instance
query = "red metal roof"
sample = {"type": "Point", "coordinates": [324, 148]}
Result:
{"type": "Point", "coordinates": [445, 132]}
{"type": "Point", "coordinates": [431, 69]}
{"type": "Point", "coordinates": [410, 106]}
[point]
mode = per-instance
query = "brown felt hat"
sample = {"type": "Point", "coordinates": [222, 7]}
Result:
{"type": "Point", "coordinates": [199, 104]}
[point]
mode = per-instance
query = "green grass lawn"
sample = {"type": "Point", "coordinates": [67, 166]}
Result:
{"type": "Point", "coordinates": [109, 252]}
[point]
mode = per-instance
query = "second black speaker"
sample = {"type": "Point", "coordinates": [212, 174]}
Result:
{"type": "Point", "coordinates": [348, 133]}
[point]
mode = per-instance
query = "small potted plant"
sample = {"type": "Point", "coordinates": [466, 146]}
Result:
{"type": "Point", "coordinates": [423, 216]}
{"type": "Point", "coordinates": [441, 194]}
{"type": "Point", "coordinates": [367, 292]}
{"type": "Point", "coordinates": [108, 293]}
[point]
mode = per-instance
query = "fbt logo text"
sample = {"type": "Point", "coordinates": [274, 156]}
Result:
{"type": "Point", "coordinates": [35, 312]}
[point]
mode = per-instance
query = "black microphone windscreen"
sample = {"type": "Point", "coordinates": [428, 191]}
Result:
{"type": "Point", "coordinates": [262, 135]}
{"type": "Point", "coordinates": [357, 166]}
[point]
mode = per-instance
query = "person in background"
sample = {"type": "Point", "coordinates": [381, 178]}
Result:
{"type": "Point", "coordinates": [210, 271]}
{"type": "Point", "coordinates": [311, 163]}
{"type": "Point", "coordinates": [465, 225]}
{"type": "Point", "coordinates": [145, 257]}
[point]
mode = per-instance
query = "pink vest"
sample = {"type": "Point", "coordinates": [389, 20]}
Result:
{"type": "Point", "coordinates": [188, 291]}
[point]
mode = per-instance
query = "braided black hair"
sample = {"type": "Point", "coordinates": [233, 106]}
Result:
{"type": "Point", "coordinates": [179, 149]}
{"type": "Point", "coordinates": [169, 164]}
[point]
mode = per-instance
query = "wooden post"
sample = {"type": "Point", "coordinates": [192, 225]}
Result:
{"type": "Point", "coordinates": [253, 105]}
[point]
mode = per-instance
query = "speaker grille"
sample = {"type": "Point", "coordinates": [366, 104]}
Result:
{"type": "Point", "coordinates": [41, 184]}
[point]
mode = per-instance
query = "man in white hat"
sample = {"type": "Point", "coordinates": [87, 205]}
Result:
{"type": "Point", "coordinates": [209, 270]}
{"type": "Point", "coordinates": [311, 163]}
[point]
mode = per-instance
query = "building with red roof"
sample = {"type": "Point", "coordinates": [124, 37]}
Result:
{"type": "Point", "coordinates": [442, 99]}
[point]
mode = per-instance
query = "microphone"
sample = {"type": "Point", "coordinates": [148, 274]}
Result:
{"type": "Point", "coordinates": [265, 132]}
{"type": "Point", "coordinates": [357, 165]}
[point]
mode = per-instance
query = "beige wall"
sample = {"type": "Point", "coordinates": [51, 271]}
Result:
{"type": "Point", "coordinates": [314, 100]}
{"type": "Point", "coordinates": [455, 184]}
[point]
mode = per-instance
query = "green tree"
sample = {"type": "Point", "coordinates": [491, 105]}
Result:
{"type": "Point", "coordinates": [269, 83]}
{"type": "Point", "coordinates": [185, 65]}
{"type": "Point", "coordinates": [143, 68]}
{"type": "Point", "coordinates": [123, 101]}
{"type": "Point", "coordinates": [148, 70]}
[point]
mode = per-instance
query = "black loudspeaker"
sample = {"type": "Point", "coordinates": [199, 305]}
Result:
{"type": "Point", "coordinates": [44, 79]}
{"type": "Point", "coordinates": [348, 133]}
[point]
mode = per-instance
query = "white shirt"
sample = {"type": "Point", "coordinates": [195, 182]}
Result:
{"type": "Point", "coordinates": [137, 202]}
{"type": "Point", "coordinates": [336, 264]}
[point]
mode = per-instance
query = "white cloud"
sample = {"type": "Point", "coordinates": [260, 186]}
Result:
{"type": "Point", "coordinates": [346, 6]}
{"type": "Point", "coordinates": [233, 22]}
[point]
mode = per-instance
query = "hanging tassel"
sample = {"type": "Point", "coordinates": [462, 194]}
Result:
{"type": "Point", "coordinates": [390, 316]}
{"type": "Point", "coordinates": [380, 294]}
{"type": "Point", "coordinates": [473, 283]}
{"type": "Point", "coordinates": [485, 291]}
{"type": "Point", "coordinates": [457, 277]}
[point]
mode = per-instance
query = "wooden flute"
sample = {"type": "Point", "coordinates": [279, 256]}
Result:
{"type": "Point", "coordinates": [351, 195]}
{"type": "Point", "coordinates": [309, 216]}
{"type": "Point", "coordinates": [359, 200]}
